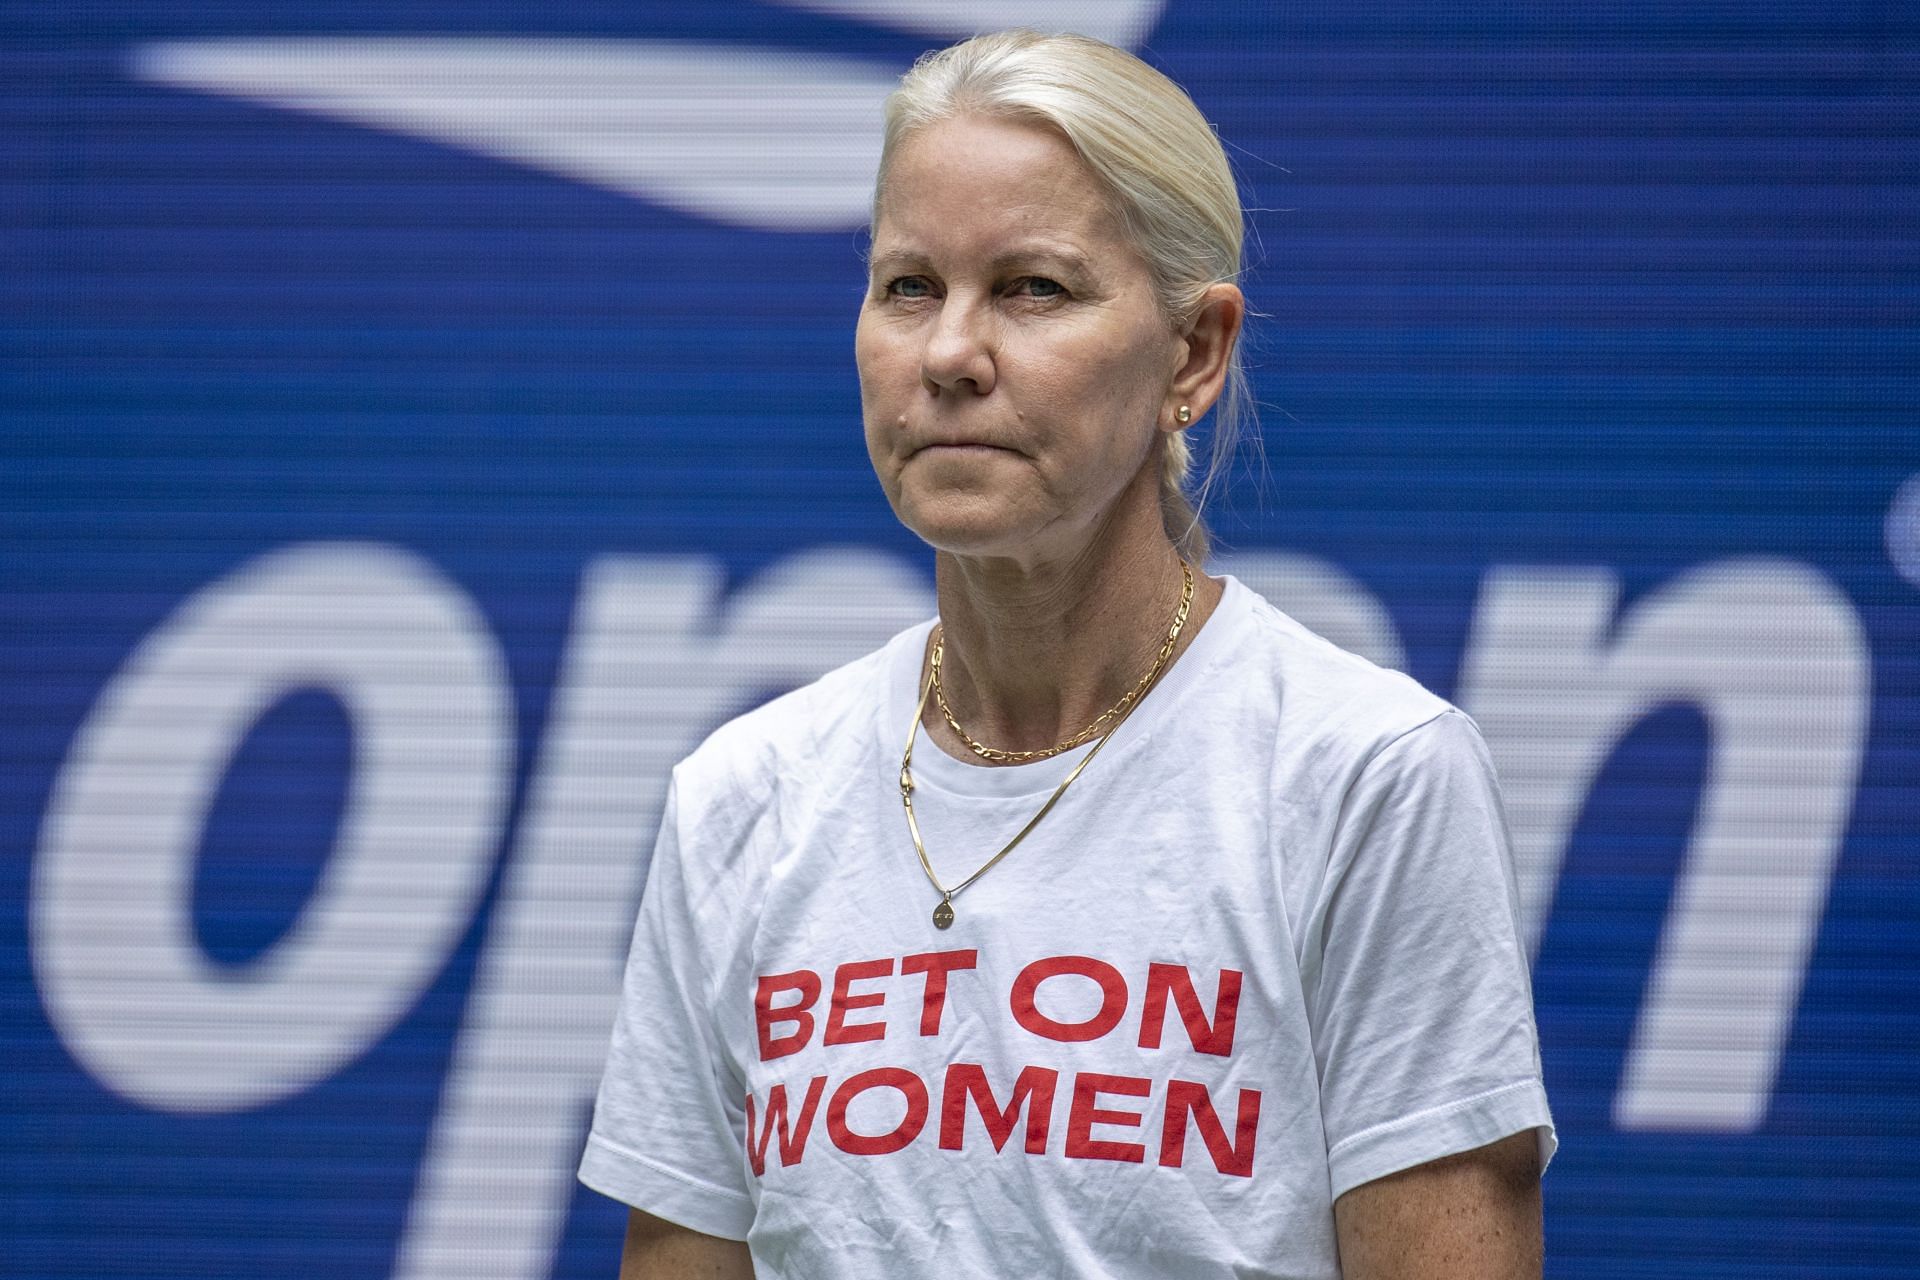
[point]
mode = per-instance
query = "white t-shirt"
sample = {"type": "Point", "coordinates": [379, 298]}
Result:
{"type": "Point", "coordinates": [1263, 951]}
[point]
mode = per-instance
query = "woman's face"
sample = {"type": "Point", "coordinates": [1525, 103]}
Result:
{"type": "Point", "coordinates": [1014, 368]}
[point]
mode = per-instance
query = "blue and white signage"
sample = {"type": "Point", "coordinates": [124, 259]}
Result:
{"type": "Point", "coordinates": [420, 423]}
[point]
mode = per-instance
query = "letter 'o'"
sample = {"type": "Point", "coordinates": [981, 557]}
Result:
{"type": "Point", "coordinates": [1113, 998]}
{"type": "Point", "coordinates": [910, 1086]}
{"type": "Point", "coordinates": [125, 982]}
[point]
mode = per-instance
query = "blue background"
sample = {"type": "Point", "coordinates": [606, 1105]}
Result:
{"type": "Point", "coordinates": [1611, 284]}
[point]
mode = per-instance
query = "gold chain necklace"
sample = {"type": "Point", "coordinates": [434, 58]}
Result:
{"type": "Point", "coordinates": [1120, 708]}
{"type": "Point", "coordinates": [943, 912]}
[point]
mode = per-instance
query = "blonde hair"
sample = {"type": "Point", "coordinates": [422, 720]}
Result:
{"type": "Point", "coordinates": [1163, 166]}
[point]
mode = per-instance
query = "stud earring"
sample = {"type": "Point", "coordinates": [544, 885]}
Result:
{"type": "Point", "coordinates": [1185, 415]}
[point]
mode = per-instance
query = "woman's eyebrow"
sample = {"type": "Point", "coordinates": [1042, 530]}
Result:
{"type": "Point", "coordinates": [1071, 259]}
{"type": "Point", "coordinates": [894, 260]}
{"type": "Point", "coordinates": [1061, 255]}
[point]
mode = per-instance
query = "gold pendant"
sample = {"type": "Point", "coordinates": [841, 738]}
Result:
{"type": "Point", "coordinates": [943, 914]}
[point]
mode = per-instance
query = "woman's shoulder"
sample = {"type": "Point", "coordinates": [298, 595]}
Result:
{"type": "Point", "coordinates": [802, 731]}
{"type": "Point", "coordinates": [1319, 691]}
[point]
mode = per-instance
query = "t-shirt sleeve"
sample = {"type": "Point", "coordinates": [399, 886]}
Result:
{"type": "Point", "coordinates": [668, 1122]}
{"type": "Point", "coordinates": [1421, 1004]}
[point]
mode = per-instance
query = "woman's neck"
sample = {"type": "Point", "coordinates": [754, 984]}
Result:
{"type": "Point", "coordinates": [1034, 651]}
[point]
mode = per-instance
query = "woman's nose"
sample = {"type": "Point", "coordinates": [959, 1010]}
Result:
{"type": "Point", "coordinates": [958, 355]}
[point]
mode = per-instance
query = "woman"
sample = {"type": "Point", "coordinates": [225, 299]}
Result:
{"type": "Point", "coordinates": [1110, 924]}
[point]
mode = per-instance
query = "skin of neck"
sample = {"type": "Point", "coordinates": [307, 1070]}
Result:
{"type": "Point", "coordinates": [1036, 646]}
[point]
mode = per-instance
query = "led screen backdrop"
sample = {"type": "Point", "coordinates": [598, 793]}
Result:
{"type": "Point", "coordinates": [422, 422]}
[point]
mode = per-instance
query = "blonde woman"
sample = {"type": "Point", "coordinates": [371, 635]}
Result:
{"type": "Point", "coordinates": [1110, 924]}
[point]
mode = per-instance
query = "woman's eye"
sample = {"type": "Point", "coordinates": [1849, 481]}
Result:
{"type": "Point", "coordinates": [1041, 287]}
{"type": "Point", "coordinates": [909, 287]}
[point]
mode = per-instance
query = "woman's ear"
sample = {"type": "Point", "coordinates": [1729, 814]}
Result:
{"type": "Point", "coordinates": [1204, 355]}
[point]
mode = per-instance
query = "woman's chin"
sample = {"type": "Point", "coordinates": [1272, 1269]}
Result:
{"type": "Point", "coordinates": [971, 525]}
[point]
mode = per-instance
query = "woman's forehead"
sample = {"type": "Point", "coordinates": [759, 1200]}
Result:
{"type": "Point", "coordinates": [972, 160]}
{"type": "Point", "coordinates": [993, 188]}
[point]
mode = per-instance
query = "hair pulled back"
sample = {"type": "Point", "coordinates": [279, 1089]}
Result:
{"type": "Point", "coordinates": [1164, 170]}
